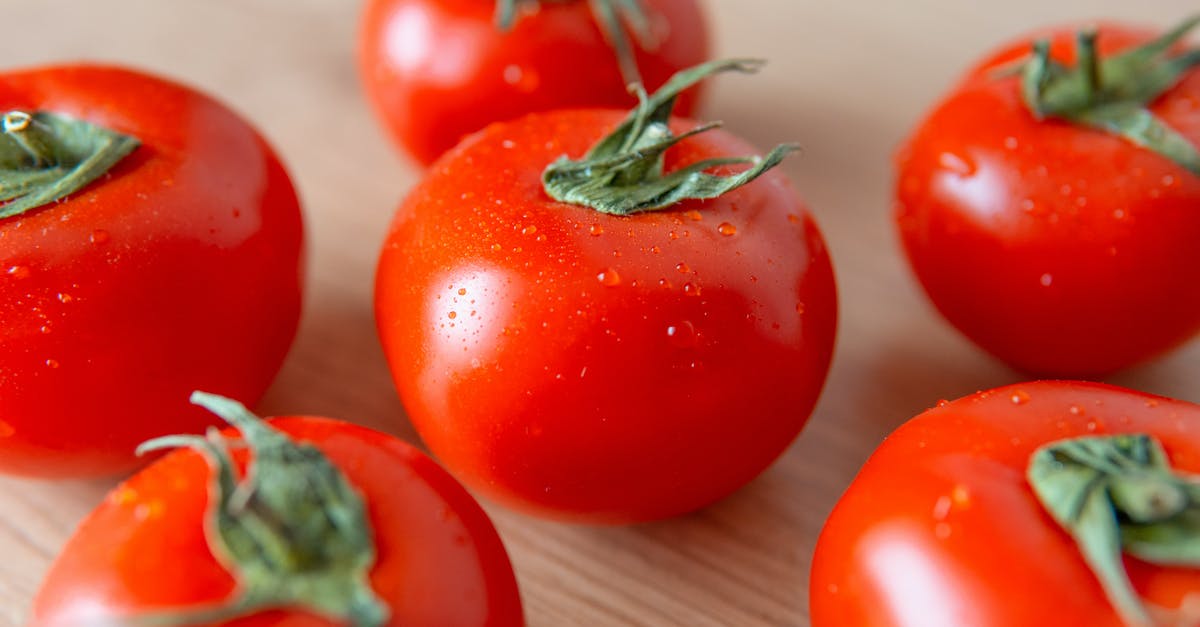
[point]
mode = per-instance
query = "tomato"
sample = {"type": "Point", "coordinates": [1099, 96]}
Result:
{"type": "Point", "coordinates": [435, 557]}
{"type": "Point", "coordinates": [942, 527]}
{"type": "Point", "coordinates": [436, 70]}
{"type": "Point", "coordinates": [1062, 249]}
{"type": "Point", "coordinates": [594, 367]}
{"type": "Point", "coordinates": [179, 267]}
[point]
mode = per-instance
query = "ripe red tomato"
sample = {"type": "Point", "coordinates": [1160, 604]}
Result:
{"type": "Point", "coordinates": [177, 268]}
{"type": "Point", "coordinates": [436, 70]}
{"type": "Point", "coordinates": [594, 367]}
{"type": "Point", "coordinates": [437, 559]}
{"type": "Point", "coordinates": [1061, 249]}
{"type": "Point", "coordinates": [941, 526]}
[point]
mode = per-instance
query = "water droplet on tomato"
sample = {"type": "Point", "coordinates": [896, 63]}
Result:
{"type": "Point", "coordinates": [1119, 214]}
{"type": "Point", "coordinates": [19, 272]}
{"type": "Point", "coordinates": [1168, 180]}
{"type": "Point", "coordinates": [497, 248]}
{"type": "Point", "coordinates": [1019, 397]}
{"type": "Point", "coordinates": [609, 277]}
{"type": "Point", "coordinates": [1011, 142]}
{"type": "Point", "coordinates": [595, 229]}
{"type": "Point", "coordinates": [45, 328]}
{"type": "Point", "coordinates": [673, 235]}
{"type": "Point", "coordinates": [529, 230]}
{"type": "Point", "coordinates": [452, 315]}
{"type": "Point", "coordinates": [523, 79]}
{"type": "Point", "coordinates": [682, 268]}
{"type": "Point", "coordinates": [52, 363]}
{"type": "Point", "coordinates": [462, 291]}
{"type": "Point", "coordinates": [727, 229]}
{"type": "Point", "coordinates": [957, 164]}
{"type": "Point", "coordinates": [655, 250]}
{"type": "Point", "coordinates": [99, 236]}
{"type": "Point", "coordinates": [682, 334]}
{"type": "Point", "coordinates": [693, 215]}
{"type": "Point", "coordinates": [1152, 403]}
{"type": "Point", "coordinates": [1046, 279]}
{"type": "Point", "coordinates": [800, 308]}
{"type": "Point", "coordinates": [691, 290]}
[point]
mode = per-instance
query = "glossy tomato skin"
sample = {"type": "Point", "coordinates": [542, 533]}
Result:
{"type": "Point", "coordinates": [178, 269]}
{"type": "Point", "coordinates": [597, 368]}
{"type": "Point", "coordinates": [439, 560]}
{"type": "Point", "coordinates": [1060, 250]}
{"type": "Point", "coordinates": [436, 70]}
{"type": "Point", "coordinates": [940, 528]}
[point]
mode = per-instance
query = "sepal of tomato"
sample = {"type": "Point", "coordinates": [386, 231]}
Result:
{"type": "Point", "coordinates": [1062, 250]}
{"type": "Point", "coordinates": [942, 527]}
{"type": "Point", "coordinates": [438, 70]}
{"type": "Point", "coordinates": [224, 540]}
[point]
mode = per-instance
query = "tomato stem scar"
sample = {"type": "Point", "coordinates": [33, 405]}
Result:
{"type": "Point", "coordinates": [1112, 94]}
{"type": "Point", "coordinates": [1117, 494]}
{"type": "Point", "coordinates": [291, 530]}
{"type": "Point", "coordinates": [624, 174]}
{"type": "Point", "coordinates": [45, 157]}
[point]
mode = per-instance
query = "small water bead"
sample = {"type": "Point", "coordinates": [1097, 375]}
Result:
{"type": "Point", "coordinates": [595, 229]}
{"type": "Point", "coordinates": [19, 272]}
{"type": "Point", "coordinates": [1019, 397]}
{"type": "Point", "coordinates": [99, 236]}
{"type": "Point", "coordinates": [529, 230]}
{"type": "Point", "coordinates": [452, 315]}
{"type": "Point", "coordinates": [609, 277]}
{"type": "Point", "coordinates": [682, 334]}
{"type": "Point", "coordinates": [682, 268]}
{"type": "Point", "coordinates": [727, 229]}
{"type": "Point", "coordinates": [52, 363]}
{"type": "Point", "coordinates": [1046, 279]}
{"type": "Point", "coordinates": [693, 215]}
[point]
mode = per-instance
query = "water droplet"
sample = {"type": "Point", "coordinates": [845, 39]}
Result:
{"type": "Point", "coordinates": [462, 291]}
{"type": "Point", "coordinates": [943, 402]}
{"type": "Point", "coordinates": [682, 268]}
{"type": "Point", "coordinates": [609, 277]}
{"type": "Point", "coordinates": [63, 297]}
{"type": "Point", "coordinates": [1046, 279]}
{"type": "Point", "coordinates": [956, 164]}
{"type": "Point", "coordinates": [727, 229]}
{"type": "Point", "coordinates": [1019, 397]}
{"type": "Point", "coordinates": [655, 249]}
{"type": "Point", "coordinates": [497, 248]}
{"type": "Point", "coordinates": [45, 328]}
{"type": "Point", "coordinates": [52, 363]}
{"type": "Point", "coordinates": [693, 215]}
{"type": "Point", "coordinates": [1152, 403]}
{"type": "Point", "coordinates": [508, 143]}
{"type": "Point", "coordinates": [800, 308]}
{"type": "Point", "coordinates": [691, 290]}
{"type": "Point", "coordinates": [682, 335]}
{"type": "Point", "coordinates": [1091, 425]}
{"type": "Point", "coordinates": [673, 235]}
{"type": "Point", "coordinates": [941, 508]}
{"type": "Point", "coordinates": [529, 230]}
{"type": "Point", "coordinates": [1119, 214]}
{"type": "Point", "coordinates": [524, 79]}
{"type": "Point", "coordinates": [19, 272]}
{"type": "Point", "coordinates": [1027, 205]}
{"type": "Point", "coordinates": [663, 283]}
{"type": "Point", "coordinates": [1064, 189]}
{"type": "Point", "coordinates": [1011, 143]}
{"type": "Point", "coordinates": [452, 315]}
{"type": "Point", "coordinates": [1168, 180]}
{"type": "Point", "coordinates": [595, 229]}
{"type": "Point", "coordinates": [1075, 410]}
{"type": "Point", "coordinates": [961, 496]}
{"type": "Point", "coordinates": [99, 236]}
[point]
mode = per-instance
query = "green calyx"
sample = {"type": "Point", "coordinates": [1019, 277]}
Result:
{"type": "Point", "coordinates": [45, 157]}
{"type": "Point", "coordinates": [623, 173]}
{"type": "Point", "coordinates": [1117, 494]}
{"type": "Point", "coordinates": [612, 16]}
{"type": "Point", "coordinates": [1112, 94]}
{"type": "Point", "coordinates": [292, 531]}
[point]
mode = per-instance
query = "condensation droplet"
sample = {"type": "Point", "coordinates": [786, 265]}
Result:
{"type": "Point", "coordinates": [691, 290]}
{"type": "Point", "coordinates": [529, 230]}
{"type": "Point", "coordinates": [595, 229]}
{"type": "Point", "coordinates": [524, 79]}
{"type": "Point", "coordinates": [1118, 214]}
{"type": "Point", "coordinates": [99, 236]}
{"type": "Point", "coordinates": [462, 291]}
{"type": "Point", "coordinates": [19, 272]}
{"type": "Point", "coordinates": [452, 315]}
{"type": "Point", "coordinates": [609, 277]}
{"type": "Point", "coordinates": [956, 164]}
{"type": "Point", "coordinates": [682, 268]}
{"type": "Point", "coordinates": [63, 297]}
{"type": "Point", "coordinates": [1019, 397]}
{"type": "Point", "coordinates": [1011, 142]}
{"type": "Point", "coordinates": [682, 334]}
{"type": "Point", "coordinates": [693, 215]}
{"type": "Point", "coordinates": [1046, 279]}
{"type": "Point", "coordinates": [727, 229]}
{"type": "Point", "coordinates": [497, 247]}
{"type": "Point", "coordinates": [52, 363]}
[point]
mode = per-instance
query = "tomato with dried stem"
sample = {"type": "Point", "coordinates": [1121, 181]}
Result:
{"type": "Point", "coordinates": [1050, 203]}
{"type": "Point", "coordinates": [437, 70]}
{"type": "Point", "coordinates": [150, 242]}
{"type": "Point", "coordinates": [1042, 503]}
{"type": "Point", "coordinates": [625, 335]}
{"type": "Point", "coordinates": [297, 520]}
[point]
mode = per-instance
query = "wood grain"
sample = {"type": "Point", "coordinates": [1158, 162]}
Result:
{"type": "Point", "coordinates": [846, 80]}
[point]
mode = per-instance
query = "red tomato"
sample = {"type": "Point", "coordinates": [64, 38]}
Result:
{"type": "Point", "coordinates": [178, 268]}
{"type": "Point", "coordinates": [437, 70]}
{"type": "Point", "coordinates": [438, 560]}
{"type": "Point", "coordinates": [1060, 249]}
{"type": "Point", "coordinates": [593, 367]}
{"type": "Point", "coordinates": [941, 527]}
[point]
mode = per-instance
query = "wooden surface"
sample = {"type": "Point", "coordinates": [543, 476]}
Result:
{"type": "Point", "coordinates": [846, 80]}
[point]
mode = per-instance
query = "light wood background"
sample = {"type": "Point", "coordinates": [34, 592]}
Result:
{"type": "Point", "coordinates": [846, 80]}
